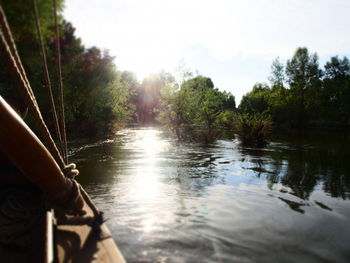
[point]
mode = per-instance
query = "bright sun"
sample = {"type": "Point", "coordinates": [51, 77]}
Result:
{"type": "Point", "coordinates": [149, 59]}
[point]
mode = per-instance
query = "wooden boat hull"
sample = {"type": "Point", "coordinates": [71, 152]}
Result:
{"type": "Point", "coordinates": [82, 243]}
{"type": "Point", "coordinates": [71, 243]}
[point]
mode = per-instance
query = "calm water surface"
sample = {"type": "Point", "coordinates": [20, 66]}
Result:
{"type": "Point", "coordinates": [169, 202]}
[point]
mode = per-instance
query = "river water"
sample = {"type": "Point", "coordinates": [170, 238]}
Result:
{"type": "Point", "coordinates": [170, 202]}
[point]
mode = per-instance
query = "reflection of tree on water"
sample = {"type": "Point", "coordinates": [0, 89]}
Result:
{"type": "Point", "coordinates": [301, 167]}
{"type": "Point", "coordinates": [300, 164]}
{"type": "Point", "coordinates": [196, 168]}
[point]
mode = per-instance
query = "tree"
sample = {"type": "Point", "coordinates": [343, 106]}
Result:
{"type": "Point", "coordinates": [96, 95]}
{"type": "Point", "coordinates": [20, 16]}
{"type": "Point", "coordinates": [336, 89]}
{"type": "Point", "coordinates": [303, 73]}
{"type": "Point", "coordinates": [149, 96]}
{"type": "Point", "coordinates": [337, 68]}
{"type": "Point", "coordinates": [277, 76]}
{"type": "Point", "coordinates": [199, 83]}
{"type": "Point", "coordinates": [197, 109]}
{"type": "Point", "coordinates": [228, 100]}
{"type": "Point", "coordinates": [255, 101]}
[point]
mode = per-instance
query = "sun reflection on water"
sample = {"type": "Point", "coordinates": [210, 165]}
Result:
{"type": "Point", "coordinates": [146, 183]}
{"type": "Point", "coordinates": [218, 203]}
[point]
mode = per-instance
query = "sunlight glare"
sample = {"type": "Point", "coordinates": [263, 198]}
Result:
{"type": "Point", "coordinates": [147, 178]}
{"type": "Point", "coordinates": [147, 187]}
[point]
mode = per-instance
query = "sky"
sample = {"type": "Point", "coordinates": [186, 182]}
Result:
{"type": "Point", "coordinates": [231, 41]}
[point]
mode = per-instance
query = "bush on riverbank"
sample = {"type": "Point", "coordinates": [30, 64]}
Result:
{"type": "Point", "coordinates": [253, 128]}
{"type": "Point", "coordinates": [195, 110]}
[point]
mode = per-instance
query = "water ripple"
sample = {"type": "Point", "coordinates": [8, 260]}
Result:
{"type": "Point", "coordinates": [170, 202]}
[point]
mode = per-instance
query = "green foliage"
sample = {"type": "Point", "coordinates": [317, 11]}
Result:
{"type": "Point", "coordinates": [256, 100]}
{"type": "Point", "coordinates": [302, 70]}
{"type": "Point", "coordinates": [20, 16]}
{"type": "Point", "coordinates": [199, 83]}
{"type": "Point", "coordinates": [335, 97]}
{"type": "Point", "coordinates": [300, 96]}
{"type": "Point", "coordinates": [277, 76]}
{"type": "Point", "coordinates": [225, 119]}
{"type": "Point", "coordinates": [196, 110]}
{"type": "Point", "coordinates": [253, 128]}
{"type": "Point", "coordinates": [148, 96]}
{"type": "Point", "coordinates": [97, 96]}
{"type": "Point", "coordinates": [228, 100]}
{"type": "Point", "coordinates": [303, 74]}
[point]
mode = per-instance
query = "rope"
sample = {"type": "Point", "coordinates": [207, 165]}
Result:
{"type": "Point", "coordinates": [46, 73]}
{"type": "Point", "coordinates": [16, 68]}
{"type": "Point", "coordinates": [59, 77]}
{"type": "Point", "coordinates": [26, 90]}
{"type": "Point", "coordinates": [71, 172]}
{"type": "Point", "coordinates": [12, 46]}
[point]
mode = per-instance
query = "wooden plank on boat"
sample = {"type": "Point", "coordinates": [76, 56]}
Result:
{"type": "Point", "coordinates": [82, 244]}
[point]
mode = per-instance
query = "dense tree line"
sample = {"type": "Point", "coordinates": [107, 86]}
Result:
{"type": "Point", "coordinates": [99, 97]}
{"type": "Point", "coordinates": [301, 94]}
